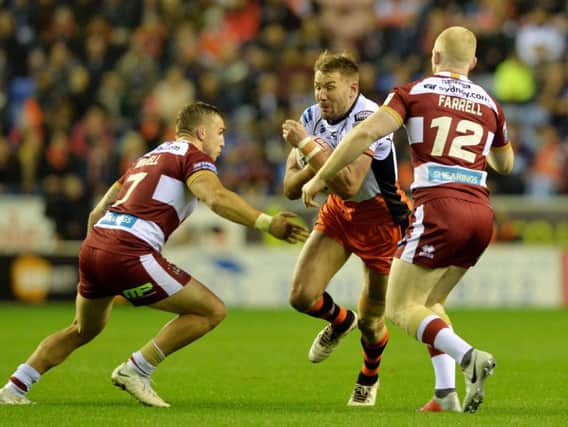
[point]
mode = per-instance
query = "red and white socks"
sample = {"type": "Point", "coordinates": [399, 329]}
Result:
{"type": "Point", "coordinates": [435, 332]}
{"type": "Point", "coordinates": [139, 363]}
{"type": "Point", "coordinates": [22, 379]}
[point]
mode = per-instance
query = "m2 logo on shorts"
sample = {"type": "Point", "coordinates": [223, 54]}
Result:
{"type": "Point", "coordinates": [138, 291]}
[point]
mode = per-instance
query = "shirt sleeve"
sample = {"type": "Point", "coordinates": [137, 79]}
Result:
{"type": "Point", "coordinates": [397, 102]}
{"type": "Point", "coordinates": [195, 161]}
{"type": "Point", "coordinates": [307, 119]}
{"type": "Point", "coordinates": [502, 134]}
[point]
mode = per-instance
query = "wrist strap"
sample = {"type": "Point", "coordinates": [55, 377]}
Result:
{"type": "Point", "coordinates": [263, 222]}
{"type": "Point", "coordinates": [304, 141]}
{"type": "Point", "coordinates": [312, 153]}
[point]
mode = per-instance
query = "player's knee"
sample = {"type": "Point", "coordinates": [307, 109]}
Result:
{"type": "Point", "coordinates": [301, 300]}
{"type": "Point", "coordinates": [217, 314]}
{"type": "Point", "coordinates": [370, 326]}
{"type": "Point", "coordinates": [86, 332]}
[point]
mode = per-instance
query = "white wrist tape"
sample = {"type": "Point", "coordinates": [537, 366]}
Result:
{"type": "Point", "coordinates": [304, 141]}
{"type": "Point", "coordinates": [263, 222]}
{"type": "Point", "coordinates": [312, 153]}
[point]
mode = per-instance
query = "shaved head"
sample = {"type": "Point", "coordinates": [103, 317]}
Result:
{"type": "Point", "coordinates": [455, 49]}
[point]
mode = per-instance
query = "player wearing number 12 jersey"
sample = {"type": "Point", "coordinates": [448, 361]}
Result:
{"type": "Point", "coordinates": [121, 255]}
{"type": "Point", "coordinates": [454, 128]}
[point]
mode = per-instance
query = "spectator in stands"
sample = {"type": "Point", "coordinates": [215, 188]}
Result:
{"type": "Point", "coordinates": [10, 168]}
{"type": "Point", "coordinates": [172, 92]}
{"type": "Point", "coordinates": [541, 38]}
{"type": "Point", "coordinates": [554, 94]}
{"type": "Point", "coordinates": [550, 164]}
{"type": "Point", "coordinates": [57, 62]}
{"type": "Point", "coordinates": [516, 88]}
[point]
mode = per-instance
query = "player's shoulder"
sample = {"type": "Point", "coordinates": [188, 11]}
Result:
{"type": "Point", "coordinates": [182, 155]}
{"type": "Point", "coordinates": [423, 85]}
{"type": "Point", "coordinates": [311, 115]}
{"type": "Point", "coordinates": [179, 148]}
{"type": "Point", "coordinates": [485, 97]}
{"type": "Point", "coordinates": [363, 108]}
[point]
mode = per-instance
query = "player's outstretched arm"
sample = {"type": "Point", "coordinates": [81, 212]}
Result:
{"type": "Point", "coordinates": [106, 201]}
{"type": "Point", "coordinates": [502, 159]}
{"type": "Point", "coordinates": [208, 188]}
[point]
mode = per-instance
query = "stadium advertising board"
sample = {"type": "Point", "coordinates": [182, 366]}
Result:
{"type": "Point", "coordinates": [506, 276]}
{"type": "Point", "coordinates": [36, 278]}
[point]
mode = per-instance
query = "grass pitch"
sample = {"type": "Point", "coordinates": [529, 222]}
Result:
{"type": "Point", "coordinates": [253, 371]}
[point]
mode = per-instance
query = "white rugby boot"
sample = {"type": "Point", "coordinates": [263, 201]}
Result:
{"type": "Point", "coordinates": [138, 386]}
{"type": "Point", "coordinates": [364, 395]}
{"type": "Point", "coordinates": [8, 397]}
{"type": "Point", "coordinates": [475, 373]}
{"type": "Point", "coordinates": [449, 403]}
{"type": "Point", "coordinates": [327, 339]}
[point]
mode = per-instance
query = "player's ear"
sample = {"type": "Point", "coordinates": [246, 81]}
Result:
{"type": "Point", "coordinates": [200, 132]}
{"type": "Point", "coordinates": [436, 57]}
{"type": "Point", "coordinates": [473, 63]}
{"type": "Point", "coordinates": [355, 87]}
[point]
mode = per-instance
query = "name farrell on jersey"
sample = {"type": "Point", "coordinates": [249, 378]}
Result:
{"type": "Point", "coordinates": [459, 104]}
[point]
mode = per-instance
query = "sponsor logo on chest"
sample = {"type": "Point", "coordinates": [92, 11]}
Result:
{"type": "Point", "coordinates": [148, 161]}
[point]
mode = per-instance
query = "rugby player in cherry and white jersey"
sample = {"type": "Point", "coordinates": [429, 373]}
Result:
{"type": "Point", "coordinates": [122, 255]}
{"type": "Point", "coordinates": [455, 129]}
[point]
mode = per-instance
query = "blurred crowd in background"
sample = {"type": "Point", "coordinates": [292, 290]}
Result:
{"type": "Point", "coordinates": [87, 86]}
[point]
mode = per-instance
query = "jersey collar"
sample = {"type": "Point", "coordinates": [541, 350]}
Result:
{"type": "Point", "coordinates": [452, 75]}
{"type": "Point", "coordinates": [340, 119]}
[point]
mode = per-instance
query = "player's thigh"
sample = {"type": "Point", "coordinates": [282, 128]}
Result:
{"type": "Point", "coordinates": [320, 259]}
{"type": "Point", "coordinates": [92, 315]}
{"type": "Point", "coordinates": [439, 293]}
{"type": "Point", "coordinates": [410, 284]}
{"type": "Point", "coordinates": [193, 298]}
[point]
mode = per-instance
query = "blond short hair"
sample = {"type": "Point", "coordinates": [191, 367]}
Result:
{"type": "Point", "coordinates": [456, 46]}
{"type": "Point", "coordinates": [344, 63]}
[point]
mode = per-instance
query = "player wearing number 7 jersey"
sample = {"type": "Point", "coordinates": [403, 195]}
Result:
{"type": "Point", "coordinates": [121, 255]}
{"type": "Point", "coordinates": [454, 128]}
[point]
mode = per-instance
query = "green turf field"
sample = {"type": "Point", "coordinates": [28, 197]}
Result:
{"type": "Point", "coordinates": [253, 371]}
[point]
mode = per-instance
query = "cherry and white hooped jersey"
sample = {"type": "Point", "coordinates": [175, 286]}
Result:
{"type": "Point", "coordinates": [451, 123]}
{"type": "Point", "coordinates": [154, 199]}
{"type": "Point", "coordinates": [381, 150]}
